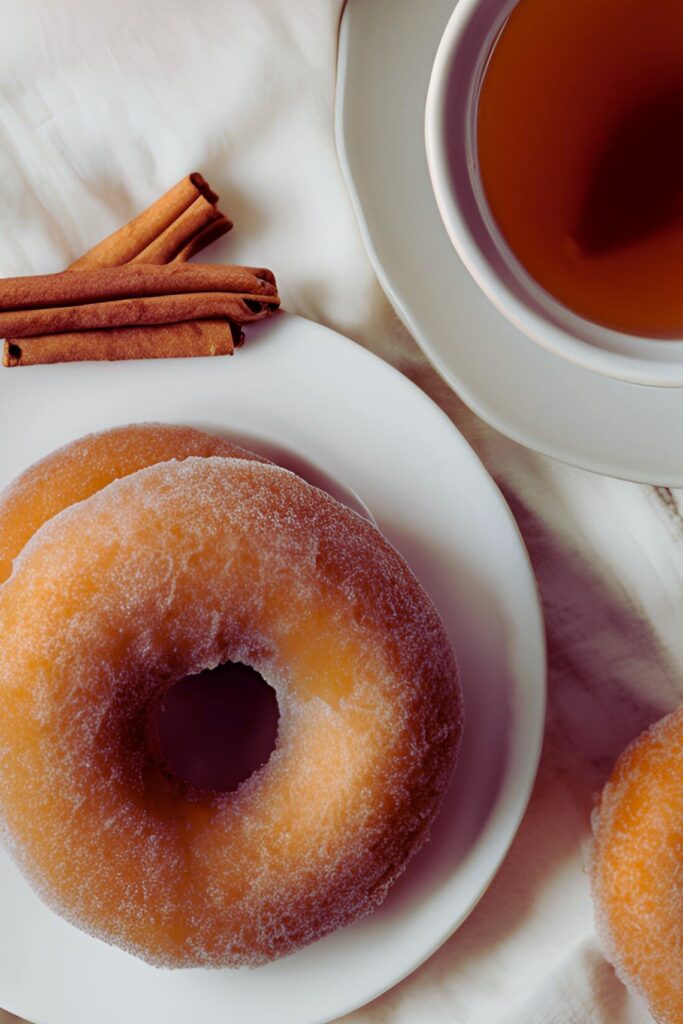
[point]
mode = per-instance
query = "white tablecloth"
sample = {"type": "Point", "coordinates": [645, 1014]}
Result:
{"type": "Point", "coordinates": [104, 105]}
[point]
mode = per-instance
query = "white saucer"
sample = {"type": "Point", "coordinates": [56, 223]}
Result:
{"type": "Point", "coordinates": [535, 397]}
{"type": "Point", "coordinates": [315, 394]}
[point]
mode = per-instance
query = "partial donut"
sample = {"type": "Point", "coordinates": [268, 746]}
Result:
{"type": "Point", "coordinates": [637, 868]}
{"type": "Point", "coordinates": [84, 466]}
{"type": "Point", "coordinates": [161, 574]}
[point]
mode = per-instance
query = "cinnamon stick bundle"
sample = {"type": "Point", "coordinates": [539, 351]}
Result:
{"type": "Point", "coordinates": [174, 228]}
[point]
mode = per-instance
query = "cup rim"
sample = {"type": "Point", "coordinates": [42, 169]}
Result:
{"type": "Point", "coordinates": [466, 45]}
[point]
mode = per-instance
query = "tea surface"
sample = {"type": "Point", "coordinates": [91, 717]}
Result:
{"type": "Point", "coordinates": [580, 147]}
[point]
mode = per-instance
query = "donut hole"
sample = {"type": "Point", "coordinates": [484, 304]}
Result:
{"type": "Point", "coordinates": [213, 730]}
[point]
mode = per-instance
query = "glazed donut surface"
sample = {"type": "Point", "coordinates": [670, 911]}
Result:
{"type": "Point", "coordinates": [161, 574]}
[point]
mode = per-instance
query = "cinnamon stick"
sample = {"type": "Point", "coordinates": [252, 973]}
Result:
{"type": "Point", "coordinates": [192, 338]}
{"type": "Point", "coordinates": [166, 246]}
{"type": "Point", "coordinates": [125, 244]}
{"type": "Point", "coordinates": [150, 309]}
{"type": "Point", "coordinates": [43, 291]}
{"type": "Point", "coordinates": [174, 228]}
{"type": "Point", "coordinates": [213, 230]}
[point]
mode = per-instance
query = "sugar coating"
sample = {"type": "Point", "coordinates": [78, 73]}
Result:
{"type": "Point", "coordinates": [173, 570]}
{"type": "Point", "coordinates": [637, 868]}
{"type": "Point", "coordinates": [81, 468]}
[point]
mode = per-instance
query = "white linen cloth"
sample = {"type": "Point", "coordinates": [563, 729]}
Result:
{"type": "Point", "coordinates": [102, 107]}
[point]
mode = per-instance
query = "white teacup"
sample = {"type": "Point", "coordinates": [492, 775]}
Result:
{"type": "Point", "coordinates": [451, 116]}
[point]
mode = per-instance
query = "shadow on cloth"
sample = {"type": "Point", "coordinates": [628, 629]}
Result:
{"type": "Point", "coordinates": [600, 649]}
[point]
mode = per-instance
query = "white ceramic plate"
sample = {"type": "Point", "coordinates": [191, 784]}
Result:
{"type": "Point", "coordinates": [532, 395]}
{"type": "Point", "coordinates": [304, 389]}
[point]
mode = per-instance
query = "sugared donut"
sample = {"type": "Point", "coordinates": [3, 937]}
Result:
{"type": "Point", "coordinates": [88, 464]}
{"type": "Point", "coordinates": [637, 868]}
{"type": "Point", "coordinates": [159, 575]}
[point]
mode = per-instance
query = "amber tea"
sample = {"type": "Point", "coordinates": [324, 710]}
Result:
{"type": "Point", "coordinates": [580, 148]}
